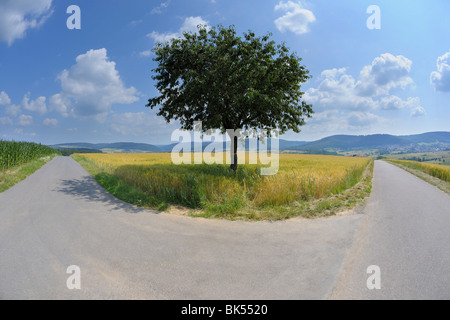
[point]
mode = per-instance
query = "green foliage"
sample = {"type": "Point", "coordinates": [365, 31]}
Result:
{"type": "Point", "coordinates": [68, 152]}
{"type": "Point", "coordinates": [14, 153]}
{"type": "Point", "coordinates": [228, 82]}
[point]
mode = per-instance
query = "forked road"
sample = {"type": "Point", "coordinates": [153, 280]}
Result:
{"type": "Point", "coordinates": [406, 233]}
{"type": "Point", "coordinates": [60, 217]}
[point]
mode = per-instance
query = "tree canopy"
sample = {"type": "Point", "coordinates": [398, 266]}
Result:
{"type": "Point", "coordinates": [230, 82]}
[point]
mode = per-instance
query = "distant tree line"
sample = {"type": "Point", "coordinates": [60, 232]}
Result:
{"type": "Point", "coordinates": [69, 152]}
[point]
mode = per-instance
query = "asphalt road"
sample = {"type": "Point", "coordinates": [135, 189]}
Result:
{"type": "Point", "coordinates": [406, 233]}
{"type": "Point", "coordinates": [60, 216]}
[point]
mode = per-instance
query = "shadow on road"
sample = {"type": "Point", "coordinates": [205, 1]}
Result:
{"type": "Point", "coordinates": [87, 188]}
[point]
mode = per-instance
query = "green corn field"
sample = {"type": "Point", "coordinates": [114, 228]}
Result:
{"type": "Point", "coordinates": [14, 153]}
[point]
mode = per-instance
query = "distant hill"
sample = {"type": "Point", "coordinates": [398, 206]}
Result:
{"type": "Point", "coordinates": [429, 137]}
{"type": "Point", "coordinates": [346, 142]}
{"type": "Point", "coordinates": [378, 141]}
{"type": "Point", "coordinates": [283, 145]}
{"type": "Point", "coordinates": [130, 147]}
{"type": "Point", "coordinates": [328, 145]}
{"type": "Point", "coordinates": [125, 147]}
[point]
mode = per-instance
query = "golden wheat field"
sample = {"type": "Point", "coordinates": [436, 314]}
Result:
{"type": "Point", "coordinates": [436, 170]}
{"type": "Point", "coordinates": [217, 189]}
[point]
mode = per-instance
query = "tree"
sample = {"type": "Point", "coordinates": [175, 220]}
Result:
{"type": "Point", "coordinates": [230, 83]}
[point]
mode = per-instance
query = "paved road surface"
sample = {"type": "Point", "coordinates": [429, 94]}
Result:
{"type": "Point", "coordinates": [60, 216]}
{"type": "Point", "coordinates": [406, 233]}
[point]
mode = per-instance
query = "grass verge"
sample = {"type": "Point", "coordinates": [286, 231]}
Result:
{"type": "Point", "coordinates": [231, 199]}
{"type": "Point", "coordinates": [119, 188]}
{"type": "Point", "coordinates": [13, 175]}
{"type": "Point", "coordinates": [420, 171]}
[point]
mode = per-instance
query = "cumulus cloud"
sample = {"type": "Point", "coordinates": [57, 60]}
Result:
{"type": "Point", "coordinates": [395, 103]}
{"type": "Point", "coordinates": [338, 90]}
{"type": "Point", "coordinates": [357, 119]}
{"type": "Point", "coordinates": [50, 122]}
{"type": "Point", "coordinates": [340, 97]}
{"type": "Point", "coordinates": [371, 91]}
{"type": "Point", "coordinates": [4, 99]}
{"type": "Point", "coordinates": [295, 19]}
{"type": "Point", "coordinates": [160, 9]}
{"type": "Point", "coordinates": [137, 124]}
{"type": "Point", "coordinates": [418, 112]}
{"type": "Point", "coordinates": [92, 86]}
{"type": "Point", "coordinates": [441, 78]}
{"type": "Point", "coordinates": [18, 16]}
{"type": "Point", "coordinates": [145, 54]}
{"type": "Point", "coordinates": [385, 73]}
{"type": "Point", "coordinates": [39, 105]}
{"type": "Point", "coordinates": [190, 24]}
{"type": "Point", "coordinates": [5, 121]}
{"type": "Point", "coordinates": [60, 104]}
{"type": "Point", "coordinates": [25, 120]}
{"type": "Point", "coordinates": [13, 110]}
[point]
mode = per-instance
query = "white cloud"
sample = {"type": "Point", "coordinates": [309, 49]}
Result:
{"type": "Point", "coordinates": [13, 110]}
{"type": "Point", "coordinates": [371, 91]}
{"type": "Point", "coordinates": [39, 105]}
{"type": "Point", "coordinates": [92, 86]}
{"type": "Point", "coordinates": [441, 78]}
{"type": "Point", "coordinates": [135, 23]}
{"type": "Point", "coordinates": [338, 90]}
{"type": "Point", "coordinates": [359, 119]}
{"type": "Point", "coordinates": [140, 124]}
{"type": "Point", "coordinates": [296, 19]}
{"type": "Point", "coordinates": [25, 120]}
{"type": "Point", "coordinates": [395, 103]}
{"type": "Point", "coordinates": [4, 99]}
{"type": "Point", "coordinates": [145, 54]}
{"type": "Point", "coordinates": [17, 16]}
{"type": "Point", "coordinates": [50, 122]}
{"type": "Point", "coordinates": [60, 104]}
{"type": "Point", "coordinates": [163, 37]}
{"type": "Point", "coordinates": [190, 24]}
{"type": "Point", "coordinates": [339, 97]}
{"type": "Point", "coordinates": [5, 121]}
{"type": "Point", "coordinates": [385, 73]}
{"type": "Point", "coordinates": [162, 6]}
{"type": "Point", "coordinates": [418, 112]}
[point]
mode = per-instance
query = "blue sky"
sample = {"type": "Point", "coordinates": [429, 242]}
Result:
{"type": "Point", "coordinates": [59, 85]}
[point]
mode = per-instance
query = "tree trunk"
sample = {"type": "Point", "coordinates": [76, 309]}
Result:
{"type": "Point", "coordinates": [233, 151]}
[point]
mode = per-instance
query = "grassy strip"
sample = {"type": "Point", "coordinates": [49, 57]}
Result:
{"type": "Point", "coordinates": [236, 206]}
{"type": "Point", "coordinates": [119, 188]}
{"type": "Point", "coordinates": [421, 173]}
{"type": "Point", "coordinates": [12, 176]}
